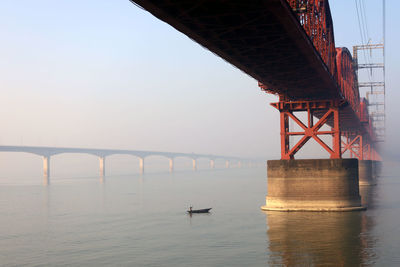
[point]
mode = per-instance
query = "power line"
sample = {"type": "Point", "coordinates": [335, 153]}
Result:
{"type": "Point", "coordinates": [362, 25]}
{"type": "Point", "coordinates": [364, 17]}
{"type": "Point", "coordinates": [359, 23]}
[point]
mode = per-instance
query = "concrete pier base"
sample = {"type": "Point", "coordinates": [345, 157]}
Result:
{"type": "Point", "coordinates": [376, 168]}
{"type": "Point", "coordinates": [102, 166]}
{"type": "Point", "coordinates": [194, 161]}
{"type": "Point", "coordinates": [141, 165]}
{"type": "Point", "coordinates": [313, 185]}
{"type": "Point", "coordinates": [46, 170]}
{"type": "Point", "coordinates": [171, 165]}
{"type": "Point", "coordinates": [366, 172]}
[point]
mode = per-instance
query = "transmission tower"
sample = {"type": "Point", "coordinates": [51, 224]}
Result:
{"type": "Point", "coordinates": [374, 90]}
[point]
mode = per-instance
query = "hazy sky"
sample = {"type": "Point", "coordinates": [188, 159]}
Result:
{"type": "Point", "coordinates": [99, 73]}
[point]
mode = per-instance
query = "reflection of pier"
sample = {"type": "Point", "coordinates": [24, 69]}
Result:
{"type": "Point", "coordinates": [322, 239]}
{"type": "Point", "coordinates": [47, 152]}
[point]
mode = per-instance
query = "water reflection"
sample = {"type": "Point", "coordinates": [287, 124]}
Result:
{"type": "Point", "coordinates": [322, 238]}
{"type": "Point", "coordinates": [368, 196]}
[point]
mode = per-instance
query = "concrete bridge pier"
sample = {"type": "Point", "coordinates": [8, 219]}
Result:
{"type": "Point", "coordinates": [46, 170]}
{"type": "Point", "coordinates": [171, 165]}
{"type": "Point", "coordinates": [227, 164]}
{"type": "Point", "coordinates": [102, 166]}
{"type": "Point", "coordinates": [313, 185]}
{"type": "Point", "coordinates": [366, 171]}
{"type": "Point", "coordinates": [376, 168]}
{"type": "Point", "coordinates": [141, 165]}
{"type": "Point", "coordinates": [194, 161]}
{"type": "Point", "coordinates": [212, 163]}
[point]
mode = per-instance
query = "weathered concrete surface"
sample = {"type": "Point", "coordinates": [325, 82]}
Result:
{"type": "Point", "coordinates": [366, 175]}
{"type": "Point", "coordinates": [313, 185]}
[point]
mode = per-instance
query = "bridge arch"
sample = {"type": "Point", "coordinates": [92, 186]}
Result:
{"type": "Point", "coordinates": [123, 160]}
{"type": "Point", "coordinates": [11, 162]}
{"type": "Point", "coordinates": [72, 163]}
{"type": "Point", "coordinates": [24, 152]}
{"type": "Point", "coordinates": [53, 154]}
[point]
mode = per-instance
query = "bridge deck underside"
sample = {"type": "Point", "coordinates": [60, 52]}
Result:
{"type": "Point", "coordinates": [262, 38]}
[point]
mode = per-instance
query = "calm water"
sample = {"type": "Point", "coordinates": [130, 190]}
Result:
{"type": "Point", "coordinates": [141, 221]}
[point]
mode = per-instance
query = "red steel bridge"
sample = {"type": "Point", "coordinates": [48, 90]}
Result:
{"type": "Point", "coordinates": [289, 47]}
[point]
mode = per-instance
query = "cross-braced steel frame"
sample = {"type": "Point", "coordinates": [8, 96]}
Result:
{"type": "Point", "coordinates": [326, 109]}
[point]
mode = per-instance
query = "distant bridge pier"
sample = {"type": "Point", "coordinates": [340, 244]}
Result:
{"type": "Point", "coordinates": [141, 165]}
{"type": "Point", "coordinates": [212, 163]}
{"type": "Point", "coordinates": [194, 161]}
{"type": "Point", "coordinates": [366, 173]}
{"type": "Point", "coordinates": [102, 166]}
{"type": "Point", "coordinates": [171, 165]}
{"type": "Point", "coordinates": [360, 147]}
{"type": "Point", "coordinates": [376, 168]}
{"type": "Point", "coordinates": [46, 170]}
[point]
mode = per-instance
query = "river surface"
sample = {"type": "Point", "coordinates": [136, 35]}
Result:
{"type": "Point", "coordinates": [135, 220]}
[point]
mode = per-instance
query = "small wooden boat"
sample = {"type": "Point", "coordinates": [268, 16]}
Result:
{"type": "Point", "coordinates": [198, 211]}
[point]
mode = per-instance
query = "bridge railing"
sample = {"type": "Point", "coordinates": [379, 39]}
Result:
{"type": "Point", "coordinates": [315, 17]}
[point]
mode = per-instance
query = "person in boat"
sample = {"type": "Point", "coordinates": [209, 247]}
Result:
{"type": "Point", "coordinates": [190, 209]}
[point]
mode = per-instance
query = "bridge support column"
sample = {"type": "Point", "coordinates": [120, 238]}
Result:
{"type": "Point", "coordinates": [313, 185]}
{"type": "Point", "coordinates": [171, 165]}
{"type": "Point", "coordinates": [46, 170]}
{"type": "Point", "coordinates": [326, 110]}
{"type": "Point", "coordinates": [212, 164]}
{"type": "Point", "coordinates": [376, 169]}
{"type": "Point", "coordinates": [194, 161]}
{"type": "Point", "coordinates": [102, 166]}
{"type": "Point", "coordinates": [141, 165]}
{"type": "Point", "coordinates": [366, 172]}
